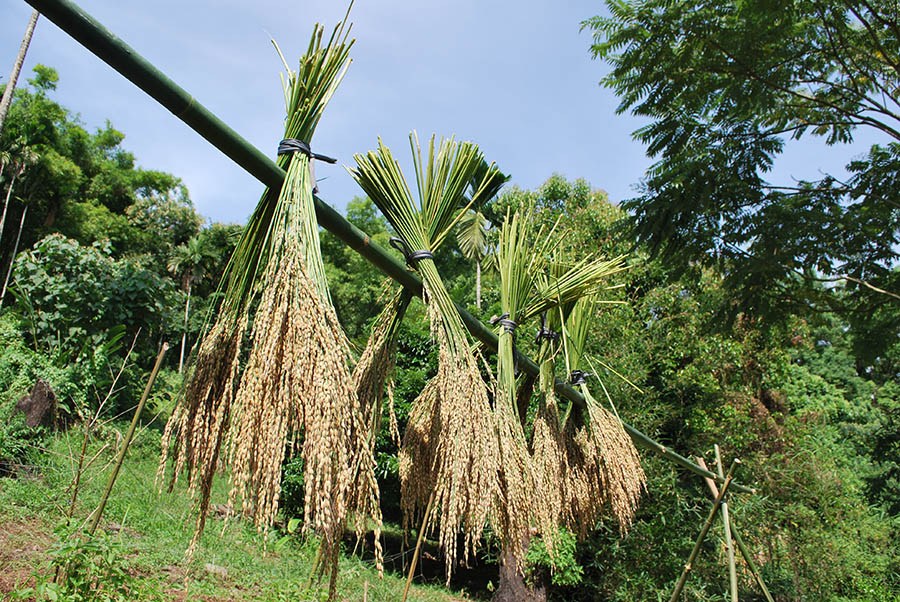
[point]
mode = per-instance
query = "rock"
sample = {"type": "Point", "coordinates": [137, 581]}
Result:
{"type": "Point", "coordinates": [39, 406]}
{"type": "Point", "coordinates": [214, 569]}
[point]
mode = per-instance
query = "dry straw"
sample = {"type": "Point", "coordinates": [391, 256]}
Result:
{"type": "Point", "coordinates": [450, 454]}
{"type": "Point", "coordinates": [295, 392]}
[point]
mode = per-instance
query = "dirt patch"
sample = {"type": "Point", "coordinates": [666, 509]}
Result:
{"type": "Point", "coordinates": [23, 543]}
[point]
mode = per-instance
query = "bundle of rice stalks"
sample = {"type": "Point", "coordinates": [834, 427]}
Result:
{"type": "Point", "coordinates": [521, 254]}
{"type": "Point", "coordinates": [371, 374]}
{"type": "Point", "coordinates": [296, 390]}
{"type": "Point", "coordinates": [450, 456]}
{"type": "Point", "coordinates": [603, 463]}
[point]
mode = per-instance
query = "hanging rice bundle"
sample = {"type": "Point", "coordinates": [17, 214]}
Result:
{"type": "Point", "coordinates": [295, 391]}
{"type": "Point", "coordinates": [548, 443]}
{"type": "Point", "coordinates": [521, 253]}
{"type": "Point", "coordinates": [604, 465]}
{"type": "Point", "coordinates": [450, 456]}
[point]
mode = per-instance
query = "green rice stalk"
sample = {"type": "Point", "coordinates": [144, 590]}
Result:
{"type": "Point", "coordinates": [521, 253]}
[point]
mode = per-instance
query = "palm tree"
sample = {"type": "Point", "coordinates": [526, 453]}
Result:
{"type": "Point", "coordinates": [472, 230]}
{"type": "Point", "coordinates": [18, 158]}
{"type": "Point", "coordinates": [6, 100]}
{"type": "Point", "coordinates": [190, 263]}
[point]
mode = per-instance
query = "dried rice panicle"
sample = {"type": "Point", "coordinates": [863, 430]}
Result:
{"type": "Point", "coordinates": [296, 385]}
{"type": "Point", "coordinates": [450, 452]}
{"type": "Point", "coordinates": [199, 424]}
{"type": "Point", "coordinates": [603, 461]}
{"type": "Point", "coordinates": [548, 444]}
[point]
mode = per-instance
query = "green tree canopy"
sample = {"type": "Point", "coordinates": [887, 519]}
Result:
{"type": "Point", "coordinates": [723, 84]}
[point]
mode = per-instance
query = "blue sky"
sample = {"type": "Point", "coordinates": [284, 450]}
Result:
{"type": "Point", "coordinates": [515, 77]}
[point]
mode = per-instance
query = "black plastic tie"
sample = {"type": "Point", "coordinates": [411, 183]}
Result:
{"type": "Point", "coordinates": [411, 257]}
{"type": "Point", "coordinates": [578, 377]}
{"type": "Point", "coordinates": [293, 145]}
{"type": "Point", "coordinates": [504, 321]}
{"type": "Point", "coordinates": [544, 332]}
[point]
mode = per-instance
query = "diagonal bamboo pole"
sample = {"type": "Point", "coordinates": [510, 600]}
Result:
{"type": "Point", "coordinates": [120, 56]}
{"type": "Point", "coordinates": [98, 513]}
{"type": "Point", "coordinates": [750, 563]}
{"type": "Point", "coordinates": [729, 546]}
{"type": "Point", "coordinates": [754, 570]}
{"type": "Point", "coordinates": [703, 531]}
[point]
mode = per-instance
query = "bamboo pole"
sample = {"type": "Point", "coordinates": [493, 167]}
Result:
{"type": "Point", "coordinates": [729, 546]}
{"type": "Point", "coordinates": [120, 56]}
{"type": "Point", "coordinates": [750, 563]}
{"type": "Point", "coordinates": [419, 539]}
{"type": "Point", "coordinates": [703, 531]}
{"type": "Point", "coordinates": [134, 422]}
{"type": "Point", "coordinates": [754, 570]}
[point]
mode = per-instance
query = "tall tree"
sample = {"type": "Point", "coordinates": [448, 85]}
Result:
{"type": "Point", "coordinates": [188, 262]}
{"type": "Point", "coordinates": [6, 100]}
{"type": "Point", "coordinates": [472, 230]}
{"type": "Point", "coordinates": [723, 84]}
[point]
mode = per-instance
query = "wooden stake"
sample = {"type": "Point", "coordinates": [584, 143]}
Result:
{"type": "Point", "coordinates": [703, 531]}
{"type": "Point", "coordinates": [134, 421]}
{"type": "Point", "coordinates": [729, 546]}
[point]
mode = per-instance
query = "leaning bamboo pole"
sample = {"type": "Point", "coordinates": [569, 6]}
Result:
{"type": "Point", "coordinates": [729, 546]}
{"type": "Point", "coordinates": [88, 32]}
{"type": "Point", "coordinates": [689, 565]}
{"type": "Point", "coordinates": [745, 552]}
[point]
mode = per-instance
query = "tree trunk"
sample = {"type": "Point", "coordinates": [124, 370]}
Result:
{"type": "Point", "coordinates": [512, 586]}
{"type": "Point", "coordinates": [187, 308]}
{"type": "Point", "coordinates": [478, 283]}
{"type": "Point", "coordinates": [12, 259]}
{"type": "Point", "coordinates": [12, 183]}
{"type": "Point", "coordinates": [6, 101]}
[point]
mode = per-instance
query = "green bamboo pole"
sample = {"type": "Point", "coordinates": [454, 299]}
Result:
{"type": "Point", "coordinates": [750, 563]}
{"type": "Point", "coordinates": [729, 546]}
{"type": "Point", "coordinates": [134, 422]}
{"type": "Point", "coordinates": [703, 531]}
{"type": "Point", "coordinates": [419, 540]}
{"type": "Point", "coordinates": [120, 56]}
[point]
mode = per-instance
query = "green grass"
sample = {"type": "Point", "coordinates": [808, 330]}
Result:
{"type": "Point", "coordinates": [232, 561]}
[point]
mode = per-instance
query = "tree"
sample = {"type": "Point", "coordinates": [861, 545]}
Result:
{"type": "Point", "coordinates": [6, 100]}
{"type": "Point", "coordinates": [723, 84]}
{"type": "Point", "coordinates": [471, 232]}
{"type": "Point", "coordinates": [190, 263]}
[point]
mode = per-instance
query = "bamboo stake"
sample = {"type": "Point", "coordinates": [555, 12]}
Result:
{"type": "Point", "coordinates": [754, 570]}
{"type": "Point", "coordinates": [706, 525]}
{"type": "Point", "coordinates": [729, 546]}
{"type": "Point", "coordinates": [412, 566]}
{"type": "Point", "coordinates": [750, 563]}
{"type": "Point", "coordinates": [134, 421]}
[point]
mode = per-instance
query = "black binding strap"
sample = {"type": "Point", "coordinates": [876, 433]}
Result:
{"type": "Point", "coordinates": [578, 377]}
{"type": "Point", "coordinates": [411, 257]}
{"type": "Point", "coordinates": [504, 321]}
{"type": "Point", "coordinates": [292, 145]}
{"type": "Point", "coordinates": [544, 332]}
{"type": "Point", "coordinates": [510, 327]}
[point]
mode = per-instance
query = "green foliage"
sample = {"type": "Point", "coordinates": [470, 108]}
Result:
{"type": "Point", "coordinates": [92, 569]}
{"type": "Point", "coordinates": [723, 83]}
{"type": "Point", "coordinates": [561, 563]}
{"type": "Point", "coordinates": [70, 294]}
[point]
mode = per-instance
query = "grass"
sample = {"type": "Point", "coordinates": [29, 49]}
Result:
{"type": "Point", "coordinates": [152, 530]}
